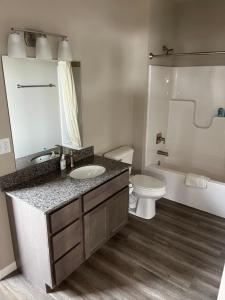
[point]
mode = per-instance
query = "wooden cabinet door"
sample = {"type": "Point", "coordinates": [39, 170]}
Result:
{"type": "Point", "coordinates": [95, 229]}
{"type": "Point", "coordinates": [118, 211]}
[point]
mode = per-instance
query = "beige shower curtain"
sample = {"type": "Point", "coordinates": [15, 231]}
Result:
{"type": "Point", "coordinates": [67, 94]}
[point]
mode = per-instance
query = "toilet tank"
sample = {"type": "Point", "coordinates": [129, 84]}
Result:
{"type": "Point", "coordinates": [124, 154]}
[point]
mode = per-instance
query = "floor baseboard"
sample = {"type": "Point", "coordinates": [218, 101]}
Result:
{"type": "Point", "coordinates": [7, 270]}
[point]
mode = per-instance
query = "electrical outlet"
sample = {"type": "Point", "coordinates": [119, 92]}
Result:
{"type": "Point", "coordinates": [5, 146]}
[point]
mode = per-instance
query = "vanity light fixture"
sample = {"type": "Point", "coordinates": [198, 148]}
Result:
{"type": "Point", "coordinates": [20, 38]}
{"type": "Point", "coordinates": [43, 50]}
{"type": "Point", "coordinates": [16, 45]}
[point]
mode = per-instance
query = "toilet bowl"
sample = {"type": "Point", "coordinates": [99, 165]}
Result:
{"type": "Point", "coordinates": [147, 190]}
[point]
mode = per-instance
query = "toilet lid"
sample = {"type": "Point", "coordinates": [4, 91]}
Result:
{"type": "Point", "coordinates": [147, 182]}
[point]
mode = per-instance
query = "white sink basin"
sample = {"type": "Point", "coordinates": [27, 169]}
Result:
{"type": "Point", "coordinates": [87, 172]}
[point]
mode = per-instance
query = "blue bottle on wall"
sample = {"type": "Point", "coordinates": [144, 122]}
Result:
{"type": "Point", "coordinates": [221, 112]}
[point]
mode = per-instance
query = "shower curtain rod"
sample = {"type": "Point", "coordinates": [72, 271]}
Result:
{"type": "Point", "coordinates": [169, 52]}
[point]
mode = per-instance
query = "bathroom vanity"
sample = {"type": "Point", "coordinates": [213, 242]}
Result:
{"type": "Point", "coordinates": [58, 222]}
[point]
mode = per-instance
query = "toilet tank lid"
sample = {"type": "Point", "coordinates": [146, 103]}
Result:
{"type": "Point", "coordinates": [119, 153]}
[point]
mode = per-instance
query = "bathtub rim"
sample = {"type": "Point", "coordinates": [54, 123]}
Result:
{"type": "Point", "coordinates": [167, 169]}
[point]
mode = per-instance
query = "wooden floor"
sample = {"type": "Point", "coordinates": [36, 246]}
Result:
{"type": "Point", "coordinates": [177, 255]}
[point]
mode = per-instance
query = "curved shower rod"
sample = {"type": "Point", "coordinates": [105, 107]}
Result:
{"type": "Point", "coordinates": [170, 52]}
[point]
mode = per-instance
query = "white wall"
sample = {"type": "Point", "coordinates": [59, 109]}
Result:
{"type": "Point", "coordinates": [197, 149]}
{"type": "Point", "coordinates": [203, 84]}
{"type": "Point", "coordinates": [34, 112]}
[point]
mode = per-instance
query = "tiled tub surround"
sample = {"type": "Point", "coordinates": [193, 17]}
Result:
{"type": "Point", "coordinates": [55, 189]}
{"type": "Point", "coordinates": [35, 170]}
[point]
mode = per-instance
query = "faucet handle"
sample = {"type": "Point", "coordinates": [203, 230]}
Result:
{"type": "Point", "coordinates": [160, 139]}
{"type": "Point", "coordinates": [60, 149]}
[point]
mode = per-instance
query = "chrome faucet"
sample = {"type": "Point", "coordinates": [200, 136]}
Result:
{"type": "Point", "coordinates": [71, 159]}
{"type": "Point", "coordinates": [160, 139]}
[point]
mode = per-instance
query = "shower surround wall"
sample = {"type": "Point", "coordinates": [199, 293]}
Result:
{"type": "Point", "coordinates": [195, 149]}
{"type": "Point", "coordinates": [195, 138]}
{"type": "Point", "coordinates": [182, 105]}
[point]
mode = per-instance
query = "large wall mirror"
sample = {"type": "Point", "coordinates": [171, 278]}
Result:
{"type": "Point", "coordinates": [43, 100]}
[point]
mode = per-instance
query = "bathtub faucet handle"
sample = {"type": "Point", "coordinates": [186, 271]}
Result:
{"type": "Point", "coordinates": [160, 138]}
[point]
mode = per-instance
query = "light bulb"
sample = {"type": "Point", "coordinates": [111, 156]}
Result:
{"type": "Point", "coordinates": [43, 50]}
{"type": "Point", "coordinates": [64, 51]}
{"type": "Point", "coordinates": [16, 45]}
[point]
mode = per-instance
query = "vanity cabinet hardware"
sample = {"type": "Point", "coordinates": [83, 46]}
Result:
{"type": "Point", "coordinates": [106, 190]}
{"type": "Point", "coordinates": [66, 239]}
{"type": "Point", "coordinates": [68, 263]}
{"type": "Point", "coordinates": [65, 215]}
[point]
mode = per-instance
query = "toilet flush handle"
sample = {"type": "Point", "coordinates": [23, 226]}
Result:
{"type": "Point", "coordinates": [130, 188]}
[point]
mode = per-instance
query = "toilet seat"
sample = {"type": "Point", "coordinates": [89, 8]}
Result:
{"type": "Point", "coordinates": [147, 185]}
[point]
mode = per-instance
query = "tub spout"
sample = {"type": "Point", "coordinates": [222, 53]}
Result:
{"type": "Point", "coordinates": [165, 153]}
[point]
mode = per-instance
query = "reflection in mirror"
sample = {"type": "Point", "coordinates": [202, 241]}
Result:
{"type": "Point", "coordinates": [43, 107]}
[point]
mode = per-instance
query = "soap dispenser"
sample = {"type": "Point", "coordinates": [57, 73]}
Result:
{"type": "Point", "coordinates": [71, 159]}
{"type": "Point", "coordinates": [62, 162]}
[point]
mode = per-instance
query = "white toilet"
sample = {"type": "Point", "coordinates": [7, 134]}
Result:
{"type": "Point", "coordinates": [144, 190]}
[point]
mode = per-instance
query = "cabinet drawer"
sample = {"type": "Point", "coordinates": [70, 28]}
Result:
{"type": "Point", "coordinates": [66, 239]}
{"type": "Point", "coordinates": [65, 215]}
{"type": "Point", "coordinates": [69, 263]}
{"type": "Point", "coordinates": [106, 190]}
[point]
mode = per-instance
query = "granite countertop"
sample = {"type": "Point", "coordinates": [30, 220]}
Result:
{"type": "Point", "coordinates": [52, 190]}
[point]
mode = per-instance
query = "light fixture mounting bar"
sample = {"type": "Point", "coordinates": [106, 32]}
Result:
{"type": "Point", "coordinates": [37, 39]}
{"type": "Point", "coordinates": [39, 32]}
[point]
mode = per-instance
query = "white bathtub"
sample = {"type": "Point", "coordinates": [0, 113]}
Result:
{"type": "Point", "coordinates": [211, 200]}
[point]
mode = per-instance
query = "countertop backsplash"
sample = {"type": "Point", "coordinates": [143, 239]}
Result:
{"type": "Point", "coordinates": [36, 170]}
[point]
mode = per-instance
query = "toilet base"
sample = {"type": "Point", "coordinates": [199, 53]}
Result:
{"type": "Point", "coordinates": [145, 208]}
